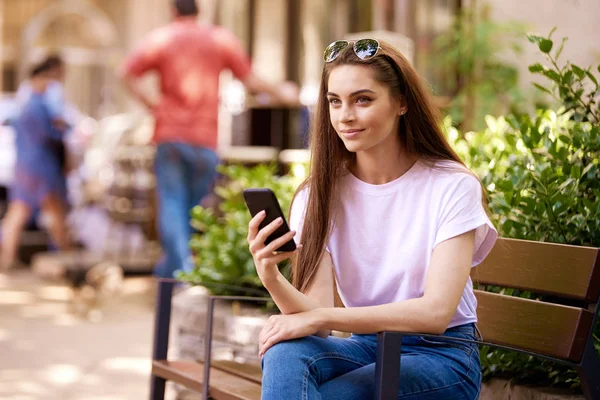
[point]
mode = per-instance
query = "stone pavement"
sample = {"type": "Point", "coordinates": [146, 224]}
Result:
{"type": "Point", "coordinates": [47, 352]}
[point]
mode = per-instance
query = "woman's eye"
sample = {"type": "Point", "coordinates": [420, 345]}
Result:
{"type": "Point", "coordinates": [334, 101]}
{"type": "Point", "coordinates": [363, 100]}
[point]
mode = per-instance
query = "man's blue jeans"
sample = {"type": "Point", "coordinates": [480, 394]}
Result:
{"type": "Point", "coordinates": [184, 175]}
{"type": "Point", "coordinates": [314, 368]}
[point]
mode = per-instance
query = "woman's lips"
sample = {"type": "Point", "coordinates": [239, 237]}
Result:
{"type": "Point", "coordinates": [350, 133]}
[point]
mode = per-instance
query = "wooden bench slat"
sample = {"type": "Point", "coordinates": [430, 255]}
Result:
{"type": "Point", "coordinates": [551, 329]}
{"type": "Point", "coordinates": [251, 372]}
{"type": "Point", "coordinates": [223, 386]}
{"type": "Point", "coordinates": [562, 270]}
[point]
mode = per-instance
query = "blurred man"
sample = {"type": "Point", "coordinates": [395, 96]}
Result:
{"type": "Point", "coordinates": [188, 57]}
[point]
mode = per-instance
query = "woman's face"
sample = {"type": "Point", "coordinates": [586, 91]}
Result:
{"type": "Point", "coordinates": [361, 109]}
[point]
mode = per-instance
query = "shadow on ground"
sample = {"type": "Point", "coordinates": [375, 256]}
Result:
{"type": "Point", "coordinates": [49, 352]}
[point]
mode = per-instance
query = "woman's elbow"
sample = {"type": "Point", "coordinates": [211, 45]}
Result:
{"type": "Point", "coordinates": [437, 320]}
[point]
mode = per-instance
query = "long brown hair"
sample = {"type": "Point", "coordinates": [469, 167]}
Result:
{"type": "Point", "coordinates": [419, 132]}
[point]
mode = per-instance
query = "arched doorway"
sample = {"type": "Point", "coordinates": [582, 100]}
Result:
{"type": "Point", "coordinates": [88, 41]}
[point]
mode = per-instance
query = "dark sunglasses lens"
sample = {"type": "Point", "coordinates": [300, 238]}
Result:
{"type": "Point", "coordinates": [366, 48]}
{"type": "Point", "coordinates": [334, 49]}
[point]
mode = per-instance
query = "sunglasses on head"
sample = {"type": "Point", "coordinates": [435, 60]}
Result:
{"type": "Point", "coordinates": [363, 48]}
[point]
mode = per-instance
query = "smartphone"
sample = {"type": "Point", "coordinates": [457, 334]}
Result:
{"type": "Point", "coordinates": [258, 199]}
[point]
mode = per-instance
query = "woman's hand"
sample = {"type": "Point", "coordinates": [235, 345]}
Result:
{"type": "Point", "coordinates": [265, 258]}
{"type": "Point", "coordinates": [287, 327]}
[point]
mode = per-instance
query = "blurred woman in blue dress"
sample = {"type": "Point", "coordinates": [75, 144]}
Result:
{"type": "Point", "coordinates": [39, 181]}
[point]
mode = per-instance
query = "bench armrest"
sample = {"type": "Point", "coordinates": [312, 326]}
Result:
{"type": "Point", "coordinates": [389, 348]}
{"type": "Point", "coordinates": [387, 364]}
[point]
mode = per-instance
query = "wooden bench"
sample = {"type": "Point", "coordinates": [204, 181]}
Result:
{"type": "Point", "coordinates": [559, 329]}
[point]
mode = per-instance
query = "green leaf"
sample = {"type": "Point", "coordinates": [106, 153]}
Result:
{"type": "Point", "coordinates": [592, 77]}
{"type": "Point", "coordinates": [555, 76]}
{"type": "Point", "coordinates": [565, 139]}
{"type": "Point", "coordinates": [534, 38]}
{"type": "Point", "coordinates": [543, 89]}
{"type": "Point", "coordinates": [576, 171]}
{"type": "Point", "coordinates": [560, 49]}
{"type": "Point", "coordinates": [588, 204]}
{"type": "Point", "coordinates": [508, 196]}
{"type": "Point", "coordinates": [587, 169]}
{"type": "Point", "coordinates": [578, 71]}
{"type": "Point", "coordinates": [545, 45]}
{"type": "Point", "coordinates": [537, 67]}
{"type": "Point", "coordinates": [567, 78]}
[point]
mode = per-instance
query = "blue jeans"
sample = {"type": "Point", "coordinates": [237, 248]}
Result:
{"type": "Point", "coordinates": [184, 175]}
{"type": "Point", "coordinates": [314, 368]}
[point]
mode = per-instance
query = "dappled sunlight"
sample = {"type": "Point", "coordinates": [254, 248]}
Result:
{"type": "Point", "coordinates": [16, 298]}
{"type": "Point", "coordinates": [55, 293]}
{"type": "Point", "coordinates": [20, 384]}
{"type": "Point", "coordinates": [30, 387]}
{"type": "Point", "coordinates": [44, 310]}
{"type": "Point", "coordinates": [66, 320]}
{"type": "Point", "coordinates": [49, 351]}
{"type": "Point", "coordinates": [138, 365]}
{"type": "Point", "coordinates": [62, 374]}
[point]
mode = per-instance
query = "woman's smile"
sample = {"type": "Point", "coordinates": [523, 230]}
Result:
{"type": "Point", "coordinates": [351, 133]}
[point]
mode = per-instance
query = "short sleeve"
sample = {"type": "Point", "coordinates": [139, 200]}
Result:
{"type": "Point", "coordinates": [146, 57]}
{"type": "Point", "coordinates": [235, 57]}
{"type": "Point", "coordinates": [462, 211]}
{"type": "Point", "coordinates": [55, 100]}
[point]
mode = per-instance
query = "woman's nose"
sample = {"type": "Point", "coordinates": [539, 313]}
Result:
{"type": "Point", "coordinates": [347, 115]}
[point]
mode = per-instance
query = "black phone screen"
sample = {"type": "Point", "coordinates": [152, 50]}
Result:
{"type": "Point", "coordinates": [258, 199]}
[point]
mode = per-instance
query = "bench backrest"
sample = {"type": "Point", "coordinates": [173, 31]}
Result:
{"type": "Point", "coordinates": [568, 277]}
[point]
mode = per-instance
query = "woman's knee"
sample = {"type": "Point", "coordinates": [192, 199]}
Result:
{"type": "Point", "coordinates": [281, 352]}
{"type": "Point", "coordinates": [290, 351]}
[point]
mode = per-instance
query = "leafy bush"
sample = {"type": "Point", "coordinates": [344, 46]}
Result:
{"type": "Point", "coordinates": [222, 261]}
{"type": "Point", "coordinates": [543, 178]}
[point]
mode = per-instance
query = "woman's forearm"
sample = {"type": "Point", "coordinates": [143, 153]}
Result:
{"type": "Point", "coordinates": [288, 299]}
{"type": "Point", "coordinates": [414, 315]}
{"type": "Point", "coordinates": [291, 301]}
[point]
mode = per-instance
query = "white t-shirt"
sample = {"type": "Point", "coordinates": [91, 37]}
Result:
{"type": "Point", "coordinates": [383, 236]}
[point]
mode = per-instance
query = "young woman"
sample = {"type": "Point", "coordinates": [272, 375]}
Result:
{"type": "Point", "coordinates": [39, 176]}
{"type": "Point", "coordinates": [392, 211]}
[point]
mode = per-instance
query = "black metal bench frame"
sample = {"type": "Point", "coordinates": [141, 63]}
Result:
{"type": "Point", "coordinates": [389, 347]}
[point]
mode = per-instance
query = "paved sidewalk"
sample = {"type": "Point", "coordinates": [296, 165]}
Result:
{"type": "Point", "coordinates": [46, 352]}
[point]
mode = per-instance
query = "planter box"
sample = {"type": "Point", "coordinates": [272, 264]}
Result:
{"type": "Point", "coordinates": [234, 336]}
{"type": "Point", "coordinates": [189, 319]}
